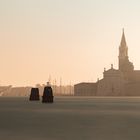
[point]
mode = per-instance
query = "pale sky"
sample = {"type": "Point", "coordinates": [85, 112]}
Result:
{"type": "Point", "coordinates": [71, 39]}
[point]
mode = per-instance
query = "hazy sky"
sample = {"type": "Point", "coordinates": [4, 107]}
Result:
{"type": "Point", "coordinates": [72, 39]}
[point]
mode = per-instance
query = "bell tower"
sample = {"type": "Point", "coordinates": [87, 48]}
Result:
{"type": "Point", "coordinates": [124, 64]}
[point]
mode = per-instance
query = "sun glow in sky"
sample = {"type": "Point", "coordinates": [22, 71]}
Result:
{"type": "Point", "coordinates": [71, 39]}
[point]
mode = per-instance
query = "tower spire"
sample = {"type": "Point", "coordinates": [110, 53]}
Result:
{"type": "Point", "coordinates": [124, 63]}
{"type": "Point", "coordinates": [123, 49]}
{"type": "Point", "coordinates": [123, 40]}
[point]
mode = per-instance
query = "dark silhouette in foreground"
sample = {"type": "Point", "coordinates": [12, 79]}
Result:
{"type": "Point", "coordinates": [47, 94]}
{"type": "Point", "coordinates": [34, 96]}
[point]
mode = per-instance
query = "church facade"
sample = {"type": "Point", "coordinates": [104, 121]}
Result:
{"type": "Point", "coordinates": [124, 81]}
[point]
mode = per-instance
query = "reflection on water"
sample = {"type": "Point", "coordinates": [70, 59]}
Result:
{"type": "Point", "coordinates": [70, 118]}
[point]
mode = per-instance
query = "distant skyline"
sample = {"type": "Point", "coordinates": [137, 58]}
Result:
{"type": "Point", "coordinates": [69, 39]}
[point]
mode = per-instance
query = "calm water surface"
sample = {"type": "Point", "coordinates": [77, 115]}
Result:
{"type": "Point", "coordinates": [70, 118]}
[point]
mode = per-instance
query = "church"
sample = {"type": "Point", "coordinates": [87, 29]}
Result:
{"type": "Point", "coordinates": [124, 81]}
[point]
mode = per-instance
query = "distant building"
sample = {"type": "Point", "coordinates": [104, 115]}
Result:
{"type": "Point", "coordinates": [111, 84]}
{"type": "Point", "coordinates": [4, 89]}
{"type": "Point", "coordinates": [85, 89]}
{"type": "Point", "coordinates": [122, 82]}
{"type": "Point", "coordinates": [17, 91]}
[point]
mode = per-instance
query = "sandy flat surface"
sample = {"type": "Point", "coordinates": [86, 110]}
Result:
{"type": "Point", "coordinates": [70, 118]}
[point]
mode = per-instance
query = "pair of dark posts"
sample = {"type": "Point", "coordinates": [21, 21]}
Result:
{"type": "Point", "coordinates": [47, 95]}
